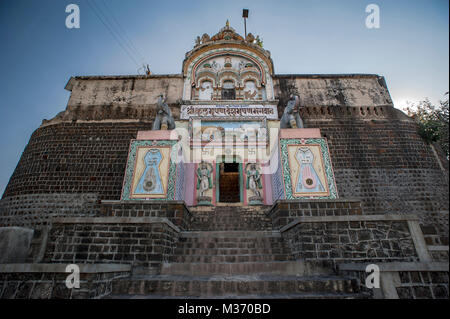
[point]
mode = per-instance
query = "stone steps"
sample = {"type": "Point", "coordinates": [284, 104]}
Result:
{"type": "Point", "coordinates": [272, 296]}
{"type": "Point", "coordinates": [230, 247]}
{"type": "Point", "coordinates": [231, 235]}
{"type": "Point", "coordinates": [216, 226]}
{"type": "Point", "coordinates": [238, 286]}
{"type": "Point", "coordinates": [231, 251]}
{"type": "Point", "coordinates": [230, 258]}
{"type": "Point", "coordinates": [282, 268]}
{"type": "Point", "coordinates": [231, 218]}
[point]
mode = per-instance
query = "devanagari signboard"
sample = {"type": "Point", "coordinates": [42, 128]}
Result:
{"type": "Point", "coordinates": [267, 111]}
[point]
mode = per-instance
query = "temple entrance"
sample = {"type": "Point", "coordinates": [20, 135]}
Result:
{"type": "Point", "coordinates": [229, 183]}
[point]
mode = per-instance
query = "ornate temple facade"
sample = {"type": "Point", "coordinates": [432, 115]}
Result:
{"type": "Point", "coordinates": [227, 169]}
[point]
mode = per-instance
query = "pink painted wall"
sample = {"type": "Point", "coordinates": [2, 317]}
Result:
{"type": "Point", "coordinates": [267, 184]}
{"type": "Point", "coordinates": [189, 186]}
{"type": "Point", "coordinates": [157, 135]}
{"type": "Point", "coordinates": [300, 133]}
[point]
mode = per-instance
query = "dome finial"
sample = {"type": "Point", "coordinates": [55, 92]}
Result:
{"type": "Point", "coordinates": [227, 24]}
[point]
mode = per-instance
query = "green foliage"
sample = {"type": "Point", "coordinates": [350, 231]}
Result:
{"type": "Point", "coordinates": [259, 41]}
{"type": "Point", "coordinates": [433, 121]}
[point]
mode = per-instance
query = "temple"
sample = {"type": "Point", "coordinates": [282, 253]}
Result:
{"type": "Point", "coordinates": [227, 180]}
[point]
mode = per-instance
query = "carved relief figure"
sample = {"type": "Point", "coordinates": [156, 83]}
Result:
{"type": "Point", "coordinates": [307, 180]}
{"type": "Point", "coordinates": [254, 180]}
{"type": "Point", "coordinates": [164, 119]}
{"type": "Point", "coordinates": [291, 118]}
{"type": "Point", "coordinates": [206, 91]}
{"type": "Point", "coordinates": [204, 179]}
{"type": "Point", "coordinates": [250, 91]}
{"type": "Point", "coordinates": [150, 181]}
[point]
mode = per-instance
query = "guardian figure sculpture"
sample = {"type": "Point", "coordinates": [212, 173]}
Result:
{"type": "Point", "coordinates": [291, 118]}
{"type": "Point", "coordinates": [164, 119]}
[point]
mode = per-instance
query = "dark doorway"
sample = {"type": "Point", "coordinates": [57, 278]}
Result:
{"type": "Point", "coordinates": [228, 91]}
{"type": "Point", "coordinates": [228, 94]}
{"type": "Point", "coordinates": [229, 188]}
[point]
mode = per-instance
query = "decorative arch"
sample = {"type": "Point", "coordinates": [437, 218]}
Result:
{"type": "Point", "coordinates": [229, 76]}
{"type": "Point", "coordinates": [260, 71]}
{"type": "Point", "coordinates": [250, 77]}
{"type": "Point", "coordinates": [258, 62]}
{"type": "Point", "coordinates": [206, 77]}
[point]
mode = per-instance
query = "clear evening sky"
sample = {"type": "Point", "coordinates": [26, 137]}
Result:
{"type": "Point", "coordinates": [39, 54]}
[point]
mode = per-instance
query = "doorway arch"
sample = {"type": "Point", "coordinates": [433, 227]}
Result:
{"type": "Point", "coordinates": [229, 174]}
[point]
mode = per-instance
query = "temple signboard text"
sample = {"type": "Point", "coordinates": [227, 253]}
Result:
{"type": "Point", "coordinates": [267, 111]}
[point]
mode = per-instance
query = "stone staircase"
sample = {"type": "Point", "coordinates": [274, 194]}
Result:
{"type": "Point", "coordinates": [230, 217]}
{"type": "Point", "coordinates": [232, 252]}
{"type": "Point", "coordinates": [226, 253]}
{"type": "Point", "coordinates": [290, 287]}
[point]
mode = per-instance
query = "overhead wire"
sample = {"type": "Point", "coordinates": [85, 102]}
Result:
{"type": "Point", "coordinates": [97, 11]}
{"type": "Point", "coordinates": [121, 29]}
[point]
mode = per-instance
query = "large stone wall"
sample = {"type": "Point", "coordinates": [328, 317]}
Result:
{"type": "Point", "coordinates": [423, 285]}
{"type": "Point", "coordinates": [134, 97]}
{"type": "Point", "coordinates": [354, 240]}
{"type": "Point", "coordinates": [48, 281]}
{"type": "Point", "coordinates": [403, 280]}
{"type": "Point", "coordinates": [379, 158]}
{"type": "Point", "coordinates": [143, 242]}
{"type": "Point", "coordinates": [353, 90]}
{"type": "Point", "coordinates": [335, 231]}
{"type": "Point", "coordinates": [284, 211]}
{"type": "Point", "coordinates": [37, 210]}
{"type": "Point", "coordinates": [75, 158]}
{"type": "Point", "coordinates": [119, 97]}
{"type": "Point", "coordinates": [377, 155]}
{"type": "Point", "coordinates": [175, 211]}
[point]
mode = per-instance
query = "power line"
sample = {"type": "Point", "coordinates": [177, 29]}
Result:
{"type": "Point", "coordinates": [92, 5]}
{"type": "Point", "coordinates": [130, 42]}
{"type": "Point", "coordinates": [101, 16]}
{"type": "Point", "coordinates": [117, 31]}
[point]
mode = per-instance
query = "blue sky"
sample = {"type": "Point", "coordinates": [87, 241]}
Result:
{"type": "Point", "coordinates": [39, 54]}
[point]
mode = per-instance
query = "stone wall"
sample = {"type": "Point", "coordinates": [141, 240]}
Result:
{"type": "Point", "coordinates": [44, 281]}
{"type": "Point", "coordinates": [75, 158]}
{"type": "Point", "coordinates": [37, 210]}
{"type": "Point", "coordinates": [175, 211]}
{"type": "Point", "coordinates": [423, 285]}
{"type": "Point", "coordinates": [377, 155]}
{"type": "Point", "coordinates": [118, 97]}
{"type": "Point", "coordinates": [379, 158]}
{"type": "Point", "coordinates": [14, 244]}
{"type": "Point", "coordinates": [435, 227]}
{"type": "Point", "coordinates": [403, 280]}
{"type": "Point", "coordinates": [134, 97]}
{"type": "Point", "coordinates": [143, 242]}
{"type": "Point", "coordinates": [284, 212]}
{"type": "Point", "coordinates": [353, 90]}
{"type": "Point", "coordinates": [355, 240]}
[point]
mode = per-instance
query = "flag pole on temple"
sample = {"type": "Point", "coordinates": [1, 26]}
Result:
{"type": "Point", "coordinates": [245, 16]}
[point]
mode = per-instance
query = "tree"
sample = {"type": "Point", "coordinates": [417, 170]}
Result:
{"type": "Point", "coordinates": [432, 120]}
